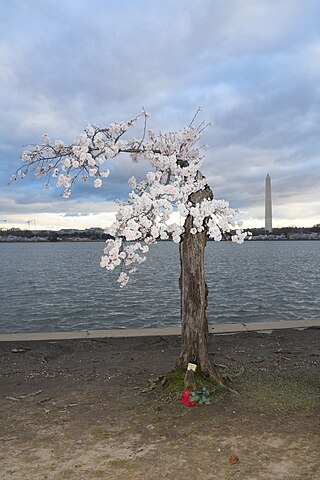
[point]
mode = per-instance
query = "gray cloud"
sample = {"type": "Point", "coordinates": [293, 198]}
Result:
{"type": "Point", "coordinates": [253, 66]}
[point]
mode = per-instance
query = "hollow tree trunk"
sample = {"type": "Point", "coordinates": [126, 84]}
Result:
{"type": "Point", "coordinates": [194, 293]}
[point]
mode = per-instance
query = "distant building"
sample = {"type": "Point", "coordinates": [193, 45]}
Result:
{"type": "Point", "coordinates": [268, 205]}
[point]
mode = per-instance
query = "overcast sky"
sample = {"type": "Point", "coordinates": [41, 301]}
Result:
{"type": "Point", "coordinates": [252, 65]}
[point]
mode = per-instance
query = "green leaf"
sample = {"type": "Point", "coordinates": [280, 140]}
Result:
{"type": "Point", "coordinates": [194, 397]}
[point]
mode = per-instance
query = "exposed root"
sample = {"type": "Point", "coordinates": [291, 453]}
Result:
{"type": "Point", "coordinates": [218, 378]}
{"type": "Point", "coordinates": [177, 379]}
{"type": "Point", "coordinates": [153, 384]}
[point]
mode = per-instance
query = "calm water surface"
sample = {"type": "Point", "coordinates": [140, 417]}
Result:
{"type": "Point", "coordinates": [61, 286]}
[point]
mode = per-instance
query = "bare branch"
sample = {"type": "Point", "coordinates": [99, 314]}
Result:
{"type": "Point", "coordinates": [206, 125]}
{"type": "Point", "coordinates": [195, 116]}
{"type": "Point", "coordinates": [144, 128]}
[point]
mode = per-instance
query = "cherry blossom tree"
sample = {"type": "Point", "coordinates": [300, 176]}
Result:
{"type": "Point", "coordinates": [174, 183]}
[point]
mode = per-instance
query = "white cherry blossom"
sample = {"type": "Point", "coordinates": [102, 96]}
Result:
{"type": "Point", "coordinates": [171, 184]}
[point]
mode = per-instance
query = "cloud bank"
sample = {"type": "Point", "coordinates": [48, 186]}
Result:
{"type": "Point", "coordinates": [253, 66]}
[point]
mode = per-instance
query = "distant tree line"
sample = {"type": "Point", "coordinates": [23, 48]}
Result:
{"type": "Point", "coordinates": [54, 236]}
{"type": "Point", "coordinates": [286, 230]}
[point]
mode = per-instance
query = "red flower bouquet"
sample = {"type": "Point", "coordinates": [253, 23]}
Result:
{"type": "Point", "coordinates": [185, 399]}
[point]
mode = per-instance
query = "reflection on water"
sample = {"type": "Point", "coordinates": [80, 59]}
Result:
{"type": "Point", "coordinates": [60, 286]}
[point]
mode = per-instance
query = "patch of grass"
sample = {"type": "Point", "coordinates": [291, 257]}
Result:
{"type": "Point", "coordinates": [174, 385]}
{"type": "Point", "coordinates": [129, 465]}
{"type": "Point", "coordinates": [116, 462]}
{"type": "Point", "coordinates": [280, 391]}
{"type": "Point", "coordinates": [31, 458]}
{"type": "Point", "coordinates": [232, 473]}
{"type": "Point", "coordinates": [101, 433]}
{"type": "Point", "coordinates": [174, 381]}
{"type": "Point", "coordinates": [66, 473]}
{"type": "Point", "coordinates": [97, 473]}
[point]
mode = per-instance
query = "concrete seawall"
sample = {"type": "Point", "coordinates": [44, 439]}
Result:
{"type": "Point", "coordinates": [220, 329]}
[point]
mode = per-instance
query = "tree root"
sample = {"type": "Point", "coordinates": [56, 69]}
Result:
{"type": "Point", "coordinates": [222, 379]}
{"type": "Point", "coordinates": [153, 384]}
{"type": "Point", "coordinates": [211, 375]}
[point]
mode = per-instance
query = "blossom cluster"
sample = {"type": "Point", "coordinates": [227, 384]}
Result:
{"type": "Point", "coordinates": [175, 183]}
{"type": "Point", "coordinates": [84, 158]}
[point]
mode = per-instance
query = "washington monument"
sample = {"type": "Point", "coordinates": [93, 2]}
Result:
{"type": "Point", "coordinates": [268, 205]}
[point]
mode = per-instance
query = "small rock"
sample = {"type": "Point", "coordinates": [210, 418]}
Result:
{"type": "Point", "coordinates": [233, 459]}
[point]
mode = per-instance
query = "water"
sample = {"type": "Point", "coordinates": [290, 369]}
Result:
{"type": "Point", "coordinates": [60, 286]}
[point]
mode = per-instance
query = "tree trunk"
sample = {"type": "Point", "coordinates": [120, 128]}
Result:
{"type": "Point", "coordinates": [194, 293]}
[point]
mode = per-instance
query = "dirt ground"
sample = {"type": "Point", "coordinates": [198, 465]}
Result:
{"type": "Point", "coordinates": [74, 409]}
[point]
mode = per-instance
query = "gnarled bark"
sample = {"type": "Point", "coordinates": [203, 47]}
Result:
{"type": "Point", "coordinates": [194, 293]}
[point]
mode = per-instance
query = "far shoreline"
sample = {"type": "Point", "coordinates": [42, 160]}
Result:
{"type": "Point", "coordinates": [252, 239]}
